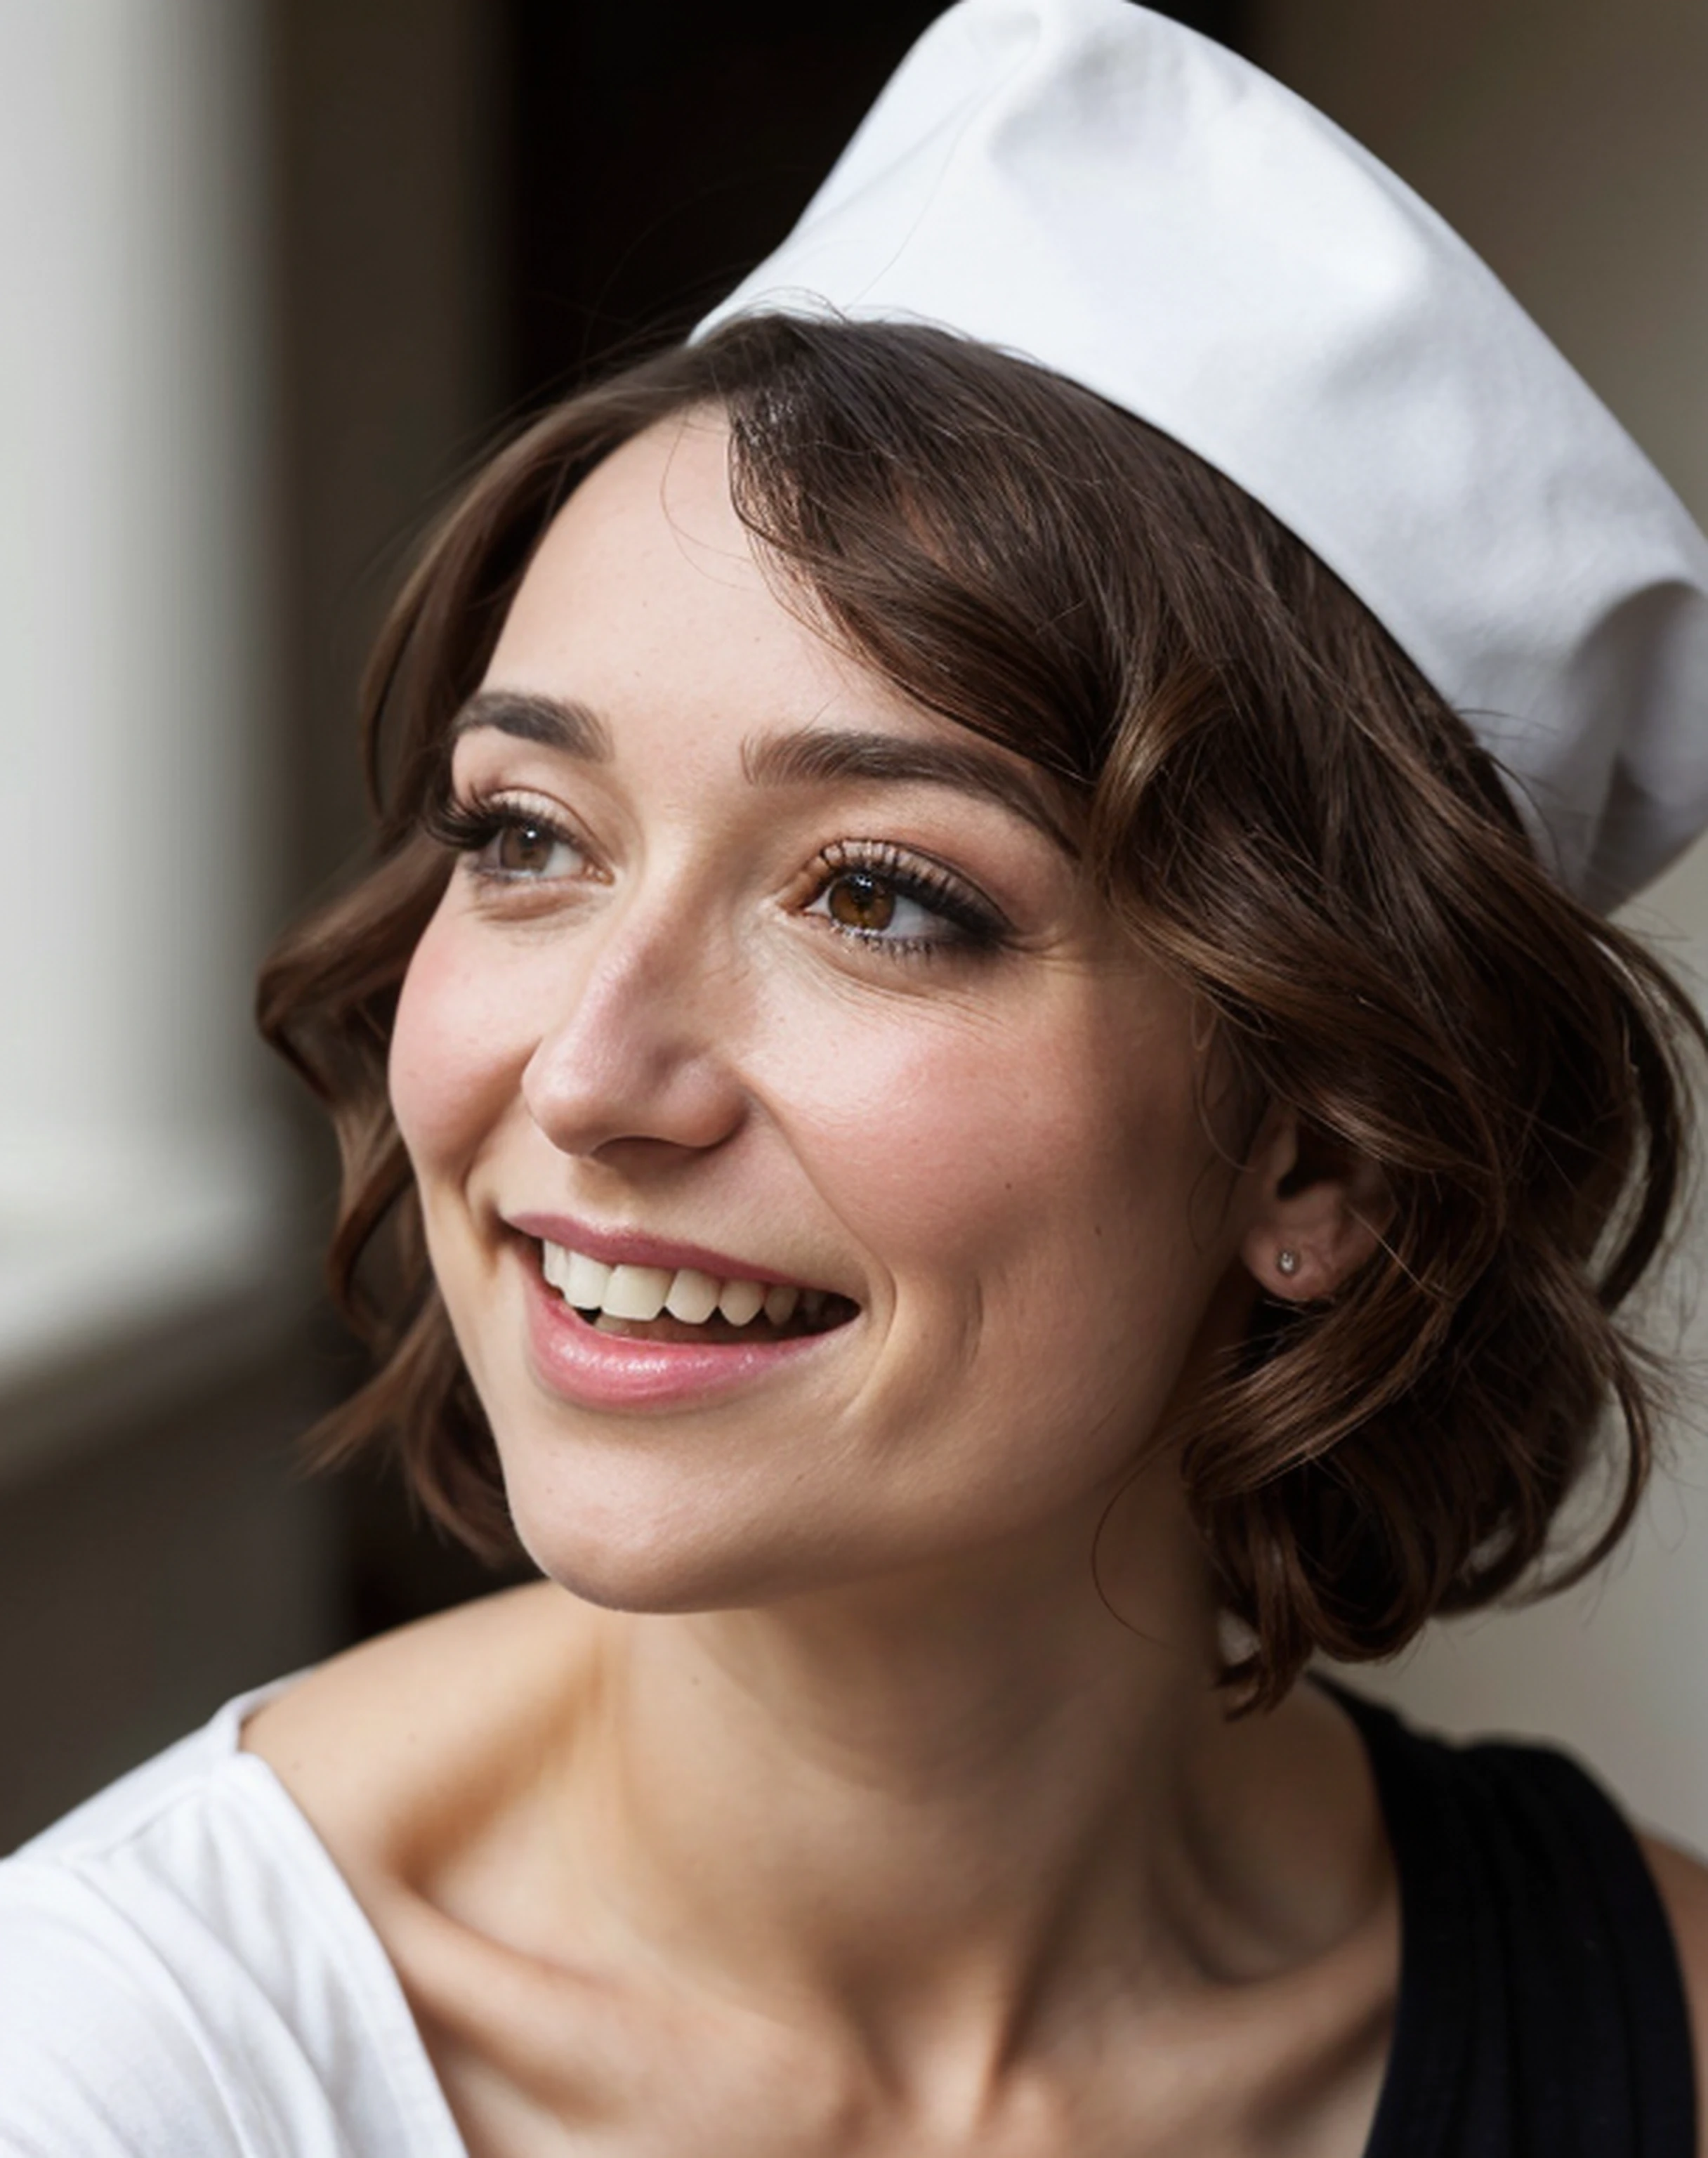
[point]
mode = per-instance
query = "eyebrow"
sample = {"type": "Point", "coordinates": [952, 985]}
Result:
{"type": "Point", "coordinates": [804, 756]}
{"type": "Point", "coordinates": [807, 756]}
{"type": "Point", "coordinates": [558, 723]}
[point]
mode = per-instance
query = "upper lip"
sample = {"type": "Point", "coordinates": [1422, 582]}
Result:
{"type": "Point", "coordinates": [639, 1247]}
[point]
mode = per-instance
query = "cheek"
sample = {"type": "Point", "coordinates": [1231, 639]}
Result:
{"type": "Point", "coordinates": [888, 1116]}
{"type": "Point", "coordinates": [451, 1066]}
{"type": "Point", "coordinates": [1009, 1149]}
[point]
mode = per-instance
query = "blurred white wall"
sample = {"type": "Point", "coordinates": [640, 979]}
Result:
{"type": "Point", "coordinates": [133, 669]}
{"type": "Point", "coordinates": [250, 326]}
{"type": "Point", "coordinates": [1568, 141]}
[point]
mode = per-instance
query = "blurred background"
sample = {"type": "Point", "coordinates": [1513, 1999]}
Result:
{"type": "Point", "coordinates": [274, 273]}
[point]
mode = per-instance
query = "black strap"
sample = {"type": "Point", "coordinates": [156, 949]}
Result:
{"type": "Point", "coordinates": [1541, 2011]}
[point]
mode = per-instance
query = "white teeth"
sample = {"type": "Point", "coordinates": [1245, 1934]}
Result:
{"type": "Point", "coordinates": [583, 1281]}
{"type": "Point", "coordinates": [693, 1296]}
{"type": "Point", "coordinates": [741, 1300]}
{"type": "Point", "coordinates": [627, 1294]}
{"type": "Point", "coordinates": [637, 1292]}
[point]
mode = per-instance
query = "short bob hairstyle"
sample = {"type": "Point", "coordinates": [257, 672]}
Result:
{"type": "Point", "coordinates": [1280, 809]}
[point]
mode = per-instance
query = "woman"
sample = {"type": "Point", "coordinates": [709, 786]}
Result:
{"type": "Point", "coordinates": [976, 1115]}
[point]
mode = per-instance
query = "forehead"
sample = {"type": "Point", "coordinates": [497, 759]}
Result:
{"type": "Point", "coordinates": [649, 612]}
{"type": "Point", "coordinates": [647, 564]}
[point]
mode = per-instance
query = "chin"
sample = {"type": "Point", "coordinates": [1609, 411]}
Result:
{"type": "Point", "coordinates": [673, 1558]}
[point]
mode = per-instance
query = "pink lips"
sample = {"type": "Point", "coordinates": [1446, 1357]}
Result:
{"type": "Point", "coordinates": [633, 1247]}
{"type": "Point", "coordinates": [579, 1364]}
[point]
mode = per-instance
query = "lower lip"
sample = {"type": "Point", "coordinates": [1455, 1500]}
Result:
{"type": "Point", "coordinates": [598, 1371]}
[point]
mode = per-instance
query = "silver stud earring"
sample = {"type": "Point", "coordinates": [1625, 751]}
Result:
{"type": "Point", "coordinates": [1287, 1263]}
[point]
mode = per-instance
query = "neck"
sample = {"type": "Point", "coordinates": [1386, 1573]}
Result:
{"type": "Point", "coordinates": [928, 1797]}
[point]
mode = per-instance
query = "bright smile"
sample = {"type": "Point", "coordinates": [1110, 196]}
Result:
{"type": "Point", "coordinates": [685, 1304]}
{"type": "Point", "coordinates": [624, 1326]}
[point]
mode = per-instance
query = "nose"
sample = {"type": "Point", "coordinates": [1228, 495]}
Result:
{"type": "Point", "coordinates": [641, 1052]}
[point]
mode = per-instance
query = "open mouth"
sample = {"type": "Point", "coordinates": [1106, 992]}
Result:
{"type": "Point", "coordinates": [657, 1303]}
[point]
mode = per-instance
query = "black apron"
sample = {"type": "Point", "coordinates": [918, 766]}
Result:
{"type": "Point", "coordinates": [1541, 2011]}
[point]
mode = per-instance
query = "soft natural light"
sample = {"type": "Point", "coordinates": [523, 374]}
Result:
{"type": "Point", "coordinates": [133, 409]}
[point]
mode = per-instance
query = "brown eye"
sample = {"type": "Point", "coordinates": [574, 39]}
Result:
{"type": "Point", "coordinates": [859, 899]}
{"type": "Point", "coordinates": [524, 850]}
{"type": "Point", "coordinates": [905, 906]}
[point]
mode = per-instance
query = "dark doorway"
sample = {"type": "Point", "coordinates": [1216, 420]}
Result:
{"type": "Point", "coordinates": [658, 150]}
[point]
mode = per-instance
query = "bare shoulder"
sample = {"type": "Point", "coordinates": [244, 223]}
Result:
{"type": "Point", "coordinates": [404, 1725]}
{"type": "Point", "coordinates": [1683, 1883]}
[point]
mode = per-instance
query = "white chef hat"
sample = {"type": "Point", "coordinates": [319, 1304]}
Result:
{"type": "Point", "coordinates": [1092, 186]}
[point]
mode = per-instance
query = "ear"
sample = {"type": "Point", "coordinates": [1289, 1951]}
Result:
{"type": "Point", "coordinates": [1317, 1211]}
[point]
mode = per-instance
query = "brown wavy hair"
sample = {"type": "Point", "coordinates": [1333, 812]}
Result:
{"type": "Point", "coordinates": [1285, 812]}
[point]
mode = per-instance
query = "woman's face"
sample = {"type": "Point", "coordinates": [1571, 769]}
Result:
{"type": "Point", "coordinates": [752, 972]}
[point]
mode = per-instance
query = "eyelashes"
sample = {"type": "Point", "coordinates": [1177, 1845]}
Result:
{"type": "Point", "coordinates": [872, 893]}
{"type": "Point", "coordinates": [871, 890]}
{"type": "Point", "coordinates": [500, 839]}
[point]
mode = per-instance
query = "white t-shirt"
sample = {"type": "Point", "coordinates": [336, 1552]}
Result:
{"type": "Point", "coordinates": [185, 1974]}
